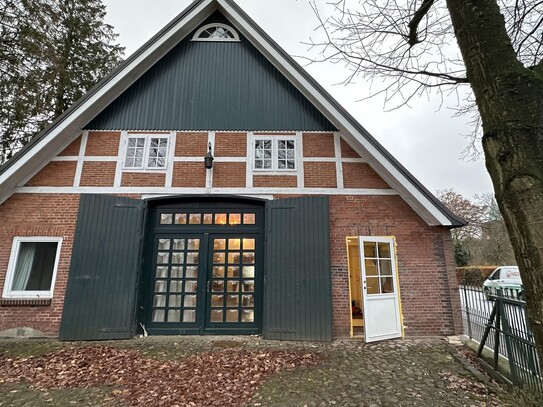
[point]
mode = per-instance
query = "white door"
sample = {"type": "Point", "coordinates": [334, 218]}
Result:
{"type": "Point", "coordinates": [382, 319]}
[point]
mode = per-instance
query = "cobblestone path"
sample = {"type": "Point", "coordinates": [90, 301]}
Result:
{"type": "Point", "coordinates": [421, 372]}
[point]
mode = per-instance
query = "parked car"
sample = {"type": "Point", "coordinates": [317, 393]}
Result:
{"type": "Point", "coordinates": [506, 278]}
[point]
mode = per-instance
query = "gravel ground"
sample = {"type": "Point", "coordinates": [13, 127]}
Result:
{"type": "Point", "coordinates": [425, 372]}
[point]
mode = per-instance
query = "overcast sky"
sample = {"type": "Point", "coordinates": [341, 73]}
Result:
{"type": "Point", "coordinates": [427, 140]}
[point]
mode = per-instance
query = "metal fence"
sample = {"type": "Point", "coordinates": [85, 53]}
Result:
{"type": "Point", "coordinates": [498, 321]}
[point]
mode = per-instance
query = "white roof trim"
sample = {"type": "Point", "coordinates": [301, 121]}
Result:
{"type": "Point", "coordinates": [38, 156]}
{"type": "Point", "coordinates": [388, 171]}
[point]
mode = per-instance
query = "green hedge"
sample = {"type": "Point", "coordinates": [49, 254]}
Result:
{"type": "Point", "coordinates": [473, 275]}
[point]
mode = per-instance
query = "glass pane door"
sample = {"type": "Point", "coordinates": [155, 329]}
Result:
{"type": "Point", "coordinates": [231, 284]}
{"type": "Point", "coordinates": [175, 288]}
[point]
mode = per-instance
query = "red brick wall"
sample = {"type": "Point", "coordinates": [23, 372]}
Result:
{"type": "Point", "coordinates": [347, 151]}
{"type": "Point", "coordinates": [361, 175]}
{"type": "Point", "coordinates": [275, 181]}
{"type": "Point", "coordinates": [189, 175]}
{"type": "Point", "coordinates": [143, 179]}
{"type": "Point", "coordinates": [425, 263]}
{"type": "Point", "coordinates": [191, 144]}
{"type": "Point", "coordinates": [103, 143]}
{"type": "Point", "coordinates": [73, 148]}
{"type": "Point", "coordinates": [426, 272]}
{"type": "Point", "coordinates": [37, 215]}
{"type": "Point", "coordinates": [229, 175]}
{"type": "Point", "coordinates": [55, 174]}
{"type": "Point", "coordinates": [318, 145]}
{"type": "Point", "coordinates": [230, 145]}
{"type": "Point", "coordinates": [98, 174]}
{"type": "Point", "coordinates": [320, 175]}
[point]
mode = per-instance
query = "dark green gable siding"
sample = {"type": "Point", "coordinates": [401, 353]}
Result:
{"type": "Point", "coordinates": [101, 295]}
{"type": "Point", "coordinates": [297, 280]}
{"type": "Point", "coordinates": [212, 86]}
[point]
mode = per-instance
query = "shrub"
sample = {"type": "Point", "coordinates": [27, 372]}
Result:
{"type": "Point", "coordinates": [473, 275]}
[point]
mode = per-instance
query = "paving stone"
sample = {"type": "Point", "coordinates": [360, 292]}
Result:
{"type": "Point", "coordinates": [418, 372]}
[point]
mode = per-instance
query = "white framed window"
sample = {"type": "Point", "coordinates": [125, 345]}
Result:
{"type": "Point", "coordinates": [32, 267]}
{"type": "Point", "coordinates": [274, 154]}
{"type": "Point", "coordinates": [146, 152]}
{"type": "Point", "coordinates": [216, 32]}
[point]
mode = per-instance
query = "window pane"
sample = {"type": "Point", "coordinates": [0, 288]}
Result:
{"type": "Point", "coordinates": [232, 315]}
{"type": "Point", "coordinates": [232, 301]}
{"type": "Point", "coordinates": [249, 219]}
{"type": "Point", "coordinates": [385, 267]}
{"type": "Point", "coordinates": [370, 249]}
{"type": "Point", "coordinates": [218, 271]}
{"type": "Point", "coordinates": [174, 301]}
{"type": "Point", "coordinates": [193, 244]}
{"type": "Point", "coordinates": [248, 244]}
{"type": "Point", "coordinates": [189, 316]}
{"type": "Point", "coordinates": [248, 272]}
{"type": "Point", "coordinates": [220, 218]}
{"type": "Point", "coordinates": [190, 301]}
{"type": "Point", "coordinates": [371, 267]}
{"type": "Point", "coordinates": [208, 218]}
{"type": "Point", "coordinates": [195, 218]}
{"type": "Point", "coordinates": [372, 284]}
{"type": "Point", "coordinates": [159, 301]}
{"type": "Point", "coordinates": [247, 316]}
{"type": "Point", "coordinates": [219, 244]}
{"type": "Point", "coordinates": [216, 316]}
{"type": "Point", "coordinates": [179, 244]}
{"type": "Point", "coordinates": [166, 219]}
{"type": "Point", "coordinates": [248, 301]}
{"type": "Point", "coordinates": [161, 272]}
{"type": "Point", "coordinates": [134, 152]}
{"type": "Point", "coordinates": [233, 257]}
{"type": "Point", "coordinates": [387, 285]}
{"type": "Point", "coordinates": [158, 315]}
{"type": "Point", "coordinates": [174, 315]}
{"type": "Point", "coordinates": [217, 301]}
{"type": "Point", "coordinates": [34, 266]}
{"type": "Point", "coordinates": [384, 250]}
{"type": "Point", "coordinates": [233, 272]}
{"type": "Point", "coordinates": [163, 244]}
{"type": "Point", "coordinates": [191, 272]}
{"type": "Point", "coordinates": [177, 272]}
{"type": "Point", "coordinates": [180, 218]}
{"type": "Point", "coordinates": [234, 244]}
{"type": "Point", "coordinates": [234, 219]}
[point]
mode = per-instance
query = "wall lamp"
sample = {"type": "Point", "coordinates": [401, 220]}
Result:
{"type": "Point", "coordinates": [208, 159]}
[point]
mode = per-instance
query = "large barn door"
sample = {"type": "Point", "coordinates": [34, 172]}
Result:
{"type": "Point", "coordinates": [297, 278]}
{"type": "Point", "coordinates": [100, 299]}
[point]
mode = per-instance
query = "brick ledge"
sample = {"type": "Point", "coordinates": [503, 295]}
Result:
{"type": "Point", "coordinates": [5, 302]}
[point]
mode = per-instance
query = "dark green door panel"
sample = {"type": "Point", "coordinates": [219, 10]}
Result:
{"type": "Point", "coordinates": [297, 277]}
{"type": "Point", "coordinates": [100, 299]}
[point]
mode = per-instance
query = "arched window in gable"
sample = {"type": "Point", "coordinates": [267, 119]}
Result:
{"type": "Point", "coordinates": [216, 32]}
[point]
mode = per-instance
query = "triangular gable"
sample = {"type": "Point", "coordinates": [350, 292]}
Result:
{"type": "Point", "coordinates": [212, 85]}
{"type": "Point", "coordinates": [65, 129]}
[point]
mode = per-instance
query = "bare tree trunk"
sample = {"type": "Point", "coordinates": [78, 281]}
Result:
{"type": "Point", "coordinates": [510, 102]}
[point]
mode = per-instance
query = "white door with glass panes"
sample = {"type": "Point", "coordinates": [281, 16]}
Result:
{"type": "Point", "coordinates": [382, 319]}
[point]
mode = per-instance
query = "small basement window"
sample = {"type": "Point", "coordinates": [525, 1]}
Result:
{"type": "Point", "coordinates": [146, 152]}
{"type": "Point", "coordinates": [216, 32]}
{"type": "Point", "coordinates": [32, 267]}
{"type": "Point", "coordinates": [275, 154]}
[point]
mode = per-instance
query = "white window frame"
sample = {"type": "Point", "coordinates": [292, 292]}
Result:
{"type": "Point", "coordinates": [275, 140]}
{"type": "Point", "coordinates": [146, 151]}
{"type": "Point", "coordinates": [45, 294]}
{"type": "Point", "coordinates": [196, 36]}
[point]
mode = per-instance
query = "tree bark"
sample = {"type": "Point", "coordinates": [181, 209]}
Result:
{"type": "Point", "coordinates": [510, 101]}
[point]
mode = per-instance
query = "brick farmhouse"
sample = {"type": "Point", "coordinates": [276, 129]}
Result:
{"type": "Point", "coordinates": [209, 185]}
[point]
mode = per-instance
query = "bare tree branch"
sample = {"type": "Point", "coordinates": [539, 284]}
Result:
{"type": "Point", "coordinates": [415, 21]}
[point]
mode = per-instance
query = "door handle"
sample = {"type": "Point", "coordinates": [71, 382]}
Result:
{"type": "Point", "coordinates": [208, 285]}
